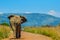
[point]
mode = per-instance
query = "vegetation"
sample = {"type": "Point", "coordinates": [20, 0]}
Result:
{"type": "Point", "coordinates": [4, 32]}
{"type": "Point", "coordinates": [6, 24]}
{"type": "Point", "coordinates": [53, 32]}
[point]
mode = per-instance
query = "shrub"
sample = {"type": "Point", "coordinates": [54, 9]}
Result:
{"type": "Point", "coordinates": [6, 24]}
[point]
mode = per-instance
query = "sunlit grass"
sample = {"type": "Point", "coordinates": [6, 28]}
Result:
{"type": "Point", "coordinates": [53, 32]}
{"type": "Point", "coordinates": [4, 31]}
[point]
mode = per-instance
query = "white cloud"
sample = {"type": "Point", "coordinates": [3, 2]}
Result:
{"type": "Point", "coordinates": [27, 12]}
{"type": "Point", "coordinates": [1, 12]}
{"type": "Point", "coordinates": [52, 12]}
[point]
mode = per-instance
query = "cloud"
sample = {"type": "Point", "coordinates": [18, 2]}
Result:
{"type": "Point", "coordinates": [1, 12]}
{"type": "Point", "coordinates": [27, 12]}
{"type": "Point", "coordinates": [52, 12]}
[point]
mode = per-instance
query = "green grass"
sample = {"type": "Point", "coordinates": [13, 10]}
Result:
{"type": "Point", "coordinates": [47, 31]}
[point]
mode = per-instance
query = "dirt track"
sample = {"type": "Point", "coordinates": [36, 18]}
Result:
{"type": "Point", "coordinates": [29, 36]}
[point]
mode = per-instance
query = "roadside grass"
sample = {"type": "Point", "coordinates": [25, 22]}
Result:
{"type": "Point", "coordinates": [53, 32]}
{"type": "Point", "coordinates": [4, 32]}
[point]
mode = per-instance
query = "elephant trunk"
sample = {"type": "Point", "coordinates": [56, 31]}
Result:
{"type": "Point", "coordinates": [18, 30]}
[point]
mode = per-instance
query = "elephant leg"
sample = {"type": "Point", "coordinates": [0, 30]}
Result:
{"type": "Point", "coordinates": [13, 29]}
{"type": "Point", "coordinates": [18, 31]}
{"type": "Point", "coordinates": [14, 32]}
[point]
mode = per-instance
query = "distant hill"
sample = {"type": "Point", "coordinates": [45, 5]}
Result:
{"type": "Point", "coordinates": [33, 19]}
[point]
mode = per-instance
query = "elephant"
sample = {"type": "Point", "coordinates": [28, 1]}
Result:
{"type": "Point", "coordinates": [15, 24]}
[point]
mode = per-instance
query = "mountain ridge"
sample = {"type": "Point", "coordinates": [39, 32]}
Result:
{"type": "Point", "coordinates": [33, 19]}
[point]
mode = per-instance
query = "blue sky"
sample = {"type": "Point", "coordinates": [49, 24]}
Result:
{"type": "Point", "coordinates": [51, 7]}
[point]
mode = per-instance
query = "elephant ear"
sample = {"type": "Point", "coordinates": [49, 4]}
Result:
{"type": "Point", "coordinates": [23, 19]}
{"type": "Point", "coordinates": [10, 16]}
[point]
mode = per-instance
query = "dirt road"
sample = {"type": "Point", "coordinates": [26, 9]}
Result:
{"type": "Point", "coordinates": [29, 36]}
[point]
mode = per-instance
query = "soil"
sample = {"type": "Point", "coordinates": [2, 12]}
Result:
{"type": "Point", "coordinates": [29, 36]}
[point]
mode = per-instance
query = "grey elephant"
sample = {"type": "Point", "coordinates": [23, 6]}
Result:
{"type": "Point", "coordinates": [15, 24]}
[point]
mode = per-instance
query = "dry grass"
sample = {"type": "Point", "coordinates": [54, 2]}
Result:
{"type": "Point", "coordinates": [4, 31]}
{"type": "Point", "coordinates": [53, 32]}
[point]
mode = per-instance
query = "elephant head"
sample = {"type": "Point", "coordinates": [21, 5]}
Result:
{"type": "Point", "coordinates": [18, 19]}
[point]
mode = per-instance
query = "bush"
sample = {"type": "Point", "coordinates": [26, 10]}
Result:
{"type": "Point", "coordinates": [6, 24]}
